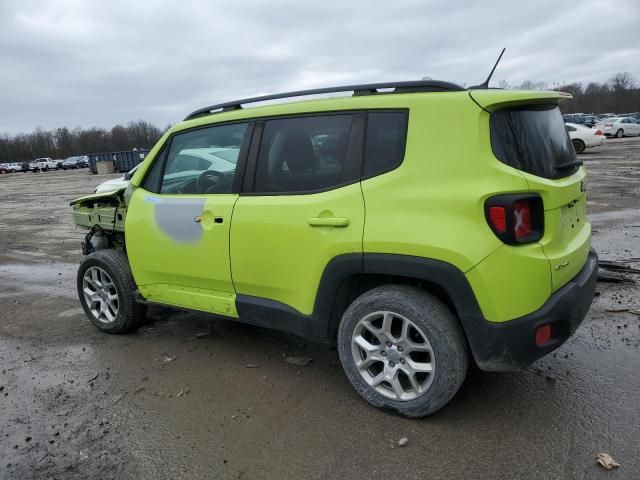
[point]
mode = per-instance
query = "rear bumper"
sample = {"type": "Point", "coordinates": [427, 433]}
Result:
{"type": "Point", "coordinates": [511, 345]}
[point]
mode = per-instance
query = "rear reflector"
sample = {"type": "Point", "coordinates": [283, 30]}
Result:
{"type": "Point", "coordinates": [498, 217]}
{"type": "Point", "coordinates": [543, 335]}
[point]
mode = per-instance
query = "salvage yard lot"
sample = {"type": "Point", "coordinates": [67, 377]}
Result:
{"type": "Point", "coordinates": [194, 396]}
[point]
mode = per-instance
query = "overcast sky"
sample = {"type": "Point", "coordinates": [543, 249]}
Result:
{"type": "Point", "coordinates": [84, 63]}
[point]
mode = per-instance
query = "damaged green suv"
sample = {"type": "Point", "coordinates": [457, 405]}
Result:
{"type": "Point", "coordinates": [363, 221]}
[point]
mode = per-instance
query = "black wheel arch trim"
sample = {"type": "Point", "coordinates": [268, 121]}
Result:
{"type": "Point", "coordinates": [321, 324]}
{"type": "Point", "coordinates": [495, 346]}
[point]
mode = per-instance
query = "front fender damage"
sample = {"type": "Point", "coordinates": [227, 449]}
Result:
{"type": "Point", "coordinates": [106, 211]}
{"type": "Point", "coordinates": [103, 214]}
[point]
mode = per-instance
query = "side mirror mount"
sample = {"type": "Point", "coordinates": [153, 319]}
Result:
{"type": "Point", "coordinates": [127, 176]}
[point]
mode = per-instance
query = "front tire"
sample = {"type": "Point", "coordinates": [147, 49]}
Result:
{"type": "Point", "coordinates": [620, 133]}
{"type": "Point", "coordinates": [107, 292]}
{"type": "Point", "coordinates": [402, 350]}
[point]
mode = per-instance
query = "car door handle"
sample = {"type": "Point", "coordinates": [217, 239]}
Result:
{"type": "Point", "coordinates": [201, 218]}
{"type": "Point", "coordinates": [328, 222]}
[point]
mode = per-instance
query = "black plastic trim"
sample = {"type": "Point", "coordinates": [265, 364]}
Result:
{"type": "Point", "coordinates": [317, 326]}
{"type": "Point", "coordinates": [362, 89]}
{"type": "Point", "coordinates": [510, 345]}
{"type": "Point", "coordinates": [496, 346]}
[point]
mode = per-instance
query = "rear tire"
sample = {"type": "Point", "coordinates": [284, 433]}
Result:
{"type": "Point", "coordinates": [620, 133]}
{"type": "Point", "coordinates": [416, 365]}
{"type": "Point", "coordinates": [107, 292]}
{"type": "Point", "coordinates": [578, 145]}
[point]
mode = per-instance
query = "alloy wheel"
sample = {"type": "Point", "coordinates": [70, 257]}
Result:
{"type": "Point", "coordinates": [100, 294]}
{"type": "Point", "coordinates": [393, 355]}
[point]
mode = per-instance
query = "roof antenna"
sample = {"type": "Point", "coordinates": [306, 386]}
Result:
{"type": "Point", "coordinates": [485, 84]}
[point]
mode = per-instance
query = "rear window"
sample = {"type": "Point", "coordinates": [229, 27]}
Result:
{"type": "Point", "coordinates": [533, 139]}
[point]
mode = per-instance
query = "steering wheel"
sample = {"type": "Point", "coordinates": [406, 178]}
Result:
{"type": "Point", "coordinates": [207, 180]}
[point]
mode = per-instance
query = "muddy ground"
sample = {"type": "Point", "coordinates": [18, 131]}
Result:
{"type": "Point", "coordinates": [176, 398]}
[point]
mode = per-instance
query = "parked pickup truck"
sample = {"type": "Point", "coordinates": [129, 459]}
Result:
{"type": "Point", "coordinates": [44, 164]}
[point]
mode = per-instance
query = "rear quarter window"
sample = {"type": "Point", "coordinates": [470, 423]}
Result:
{"type": "Point", "coordinates": [533, 139]}
{"type": "Point", "coordinates": [385, 142]}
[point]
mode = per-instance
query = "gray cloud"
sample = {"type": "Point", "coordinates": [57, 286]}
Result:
{"type": "Point", "coordinates": [77, 63]}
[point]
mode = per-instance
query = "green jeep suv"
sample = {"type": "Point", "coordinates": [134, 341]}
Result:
{"type": "Point", "coordinates": [416, 225]}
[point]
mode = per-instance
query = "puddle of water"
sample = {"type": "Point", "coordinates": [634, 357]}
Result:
{"type": "Point", "coordinates": [55, 279]}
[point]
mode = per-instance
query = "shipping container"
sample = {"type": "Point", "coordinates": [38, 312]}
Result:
{"type": "Point", "coordinates": [122, 161]}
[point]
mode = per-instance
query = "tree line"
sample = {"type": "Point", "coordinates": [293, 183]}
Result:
{"type": "Point", "coordinates": [63, 142]}
{"type": "Point", "coordinates": [619, 94]}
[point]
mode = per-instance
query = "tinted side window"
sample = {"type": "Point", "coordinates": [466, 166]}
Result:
{"type": "Point", "coordinates": [385, 142]}
{"type": "Point", "coordinates": [203, 161]}
{"type": "Point", "coordinates": [304, 154]}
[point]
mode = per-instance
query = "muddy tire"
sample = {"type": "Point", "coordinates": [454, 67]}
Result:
{"type": "Point", "coordinates": [402, 350]}
{"type": "Point", "coordinates": [578, 145]}
{"type": "Point", "coordinates": [620, 133]}
{"type": "Point", "coordinates": [107, 292]}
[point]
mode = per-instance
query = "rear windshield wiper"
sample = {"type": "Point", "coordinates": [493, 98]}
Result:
{"type": "Point", "coordinates": [564, 166]}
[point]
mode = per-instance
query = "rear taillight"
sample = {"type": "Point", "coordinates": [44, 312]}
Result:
{"type": "Point", "coordinates": [522, 219]}
{"type": "Point", "coordinates": [515, 218]}
{"type": "Point", "coordinates": [598, 132]}
{"type": "Point", "coordinates": [498, 217]}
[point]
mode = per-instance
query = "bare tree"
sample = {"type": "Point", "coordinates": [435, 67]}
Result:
{"type": "Point", "coordinates": [62, 142]}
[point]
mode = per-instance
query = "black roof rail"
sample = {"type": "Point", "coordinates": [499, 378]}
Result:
{"type": "Point", "coordinates": [363, 89]}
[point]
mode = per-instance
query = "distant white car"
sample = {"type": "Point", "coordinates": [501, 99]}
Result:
{"type": "Point", "coordinates": [13, 167]}
{"type": "Point", "coordinates": [583, 137]}
{"type": "Point", "coordinates": [619, 126]}
{"type": "Point", "coordinates": [45, 163]}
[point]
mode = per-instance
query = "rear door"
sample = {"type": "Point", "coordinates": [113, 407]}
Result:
{"type": "Point", "coordinates": [301, 206]}
{"type": "Point", "coordinates": [178, 221]}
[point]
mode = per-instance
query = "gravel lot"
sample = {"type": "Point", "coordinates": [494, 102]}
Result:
{"type": "Point", "coordinates": [176, 398]}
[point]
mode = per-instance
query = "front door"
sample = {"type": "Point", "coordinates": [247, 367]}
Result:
{"type": "Point", "coordinates": [178, 220]}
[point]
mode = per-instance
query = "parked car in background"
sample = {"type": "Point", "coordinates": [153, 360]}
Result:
{"type": "Point", "coordinates": [83, 161]}
{"type": "Point", "coordinates": [71, 162]}
{"type": "Point", "coordinates": [581, 119]}
{"type": "Point", "coordinates": [619, 126]}
{"type": "Point", "coordinates": [4, 169]}
{"type": "Point", "coordinates": [583, 137]}
{"type": "Point", "coordinates": [12, 167]}
{"type": "Point", "coordinates": [44, 164]}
